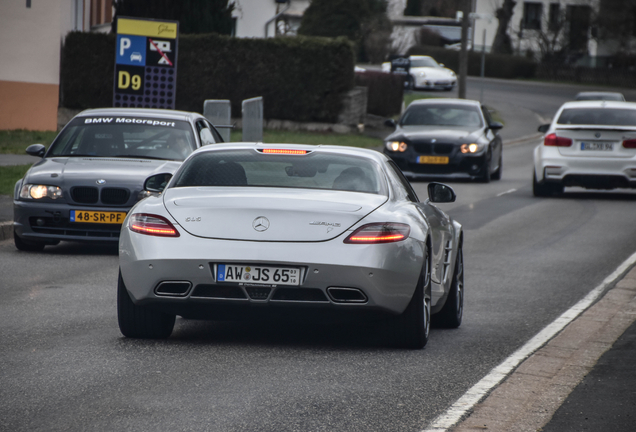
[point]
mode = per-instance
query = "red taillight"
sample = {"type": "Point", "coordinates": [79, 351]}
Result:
{"type": "Point", "coordinates": [285, 151]}
{"type": "Point", "coordinates": [150, 224]}
{"type": "Point", "coordinates": [379, 233]}
{"type": "Point", "coordinates": [630, 143]}
{"type": "Point", "coordinates": [556, 141]}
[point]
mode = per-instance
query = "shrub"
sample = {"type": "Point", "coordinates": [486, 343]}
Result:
{"type": "Point", "coordinates": [385, 92]}
{"type": "Point", "coordinates": [300, 78]}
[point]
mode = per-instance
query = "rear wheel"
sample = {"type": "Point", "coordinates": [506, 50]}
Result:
{"type": "Point", "coordinates": [26, 245]}
{"type": "Point", "coordinates": [411, 328]}
{"type": "Point", "coordinates": [451, 314]}
{"type": "Point", "coordinates": [138, 321]}
{"type": "Point", "coordinates": [545, 189]}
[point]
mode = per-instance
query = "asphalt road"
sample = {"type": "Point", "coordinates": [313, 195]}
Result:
{"type": "Point", "coordinates": [65, 366]}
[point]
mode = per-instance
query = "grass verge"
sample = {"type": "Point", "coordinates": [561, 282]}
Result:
{"type": "Point", "coordinates": [9, 175]}
{"type": "Point", "coordinates": [16, 141]}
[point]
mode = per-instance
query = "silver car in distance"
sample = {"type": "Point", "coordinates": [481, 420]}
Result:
{"type": "Point", "coordinates": [245, 230]}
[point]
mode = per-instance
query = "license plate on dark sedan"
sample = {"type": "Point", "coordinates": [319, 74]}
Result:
{"type": "Point", "coordinates": [597, 145]}
{"type": "Point", "coordinates": [258, 274]}
{"type": "Point", "coordinates": [434, 160]}
{"type": "Point", "coordinates": [98, 217]}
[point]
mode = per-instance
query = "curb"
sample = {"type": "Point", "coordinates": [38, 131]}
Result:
{"type": "Point", "coordinates": [6, 230]}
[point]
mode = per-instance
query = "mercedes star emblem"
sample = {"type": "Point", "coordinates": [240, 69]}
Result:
{"type": "Point", "coordinates": [597, 134]}
{"type": "Point", "coordinates": [260, 224]}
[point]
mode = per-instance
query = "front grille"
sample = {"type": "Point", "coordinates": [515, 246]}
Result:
{"type": "Point", "coordinates": [115, 196]}
{"type": "Point", "coordinates": [429, 149]}
{"type": "Point", "coordinates": [84, 194]}
{"type": "Point", "coordinates": [62, 227]}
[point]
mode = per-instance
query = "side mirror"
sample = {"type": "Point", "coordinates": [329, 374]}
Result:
{"type": "Point", "coordinates": [390, 123]}
{"type": "Point", "coordinates": [440, 193]}
{"type": "Point", "coordinates": [441, 64]}
{"type": "Point", "coordinates": [543, 128]}
{"type": "Point", "coordinates": [495, 125]}
{"type": "Point", "coordinates": [155, 184]}
{"type": "Point", "coordinates": [36, 150]}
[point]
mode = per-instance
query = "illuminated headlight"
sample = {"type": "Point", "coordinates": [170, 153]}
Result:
{"type": "Point", "coordinates": [422, 74]}
{"type": "Point", "coordinates": [31, 191]}
{"type": "Point", "coordinates": [396, 146]}
{"type": "Point", "coordinates": [470, 148]}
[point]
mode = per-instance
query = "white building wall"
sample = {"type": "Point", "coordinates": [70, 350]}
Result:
{"type": "Point", "coordinates": [30, 48]}
{"type": "Point", "coordinates": [251, 16]}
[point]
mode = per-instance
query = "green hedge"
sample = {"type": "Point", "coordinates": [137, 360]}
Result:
{"type": "Point", "coordinates": [300, 78]}
{"type": "Point", "coordinates": [385, 92]}
{"type": "Point", "coordinates": [497, 65]}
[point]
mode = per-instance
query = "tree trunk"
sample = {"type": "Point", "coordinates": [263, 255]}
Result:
{"type": "Point", "coordinates": [502, 43]}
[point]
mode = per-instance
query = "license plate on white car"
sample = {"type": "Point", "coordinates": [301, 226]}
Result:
{"type": "Point", "coordinates": [258, 274]}
{"type": "Point", "coordinates": [597, 145]}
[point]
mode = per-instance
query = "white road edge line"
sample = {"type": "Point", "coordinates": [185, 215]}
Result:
{"type": "Point", "coordinates": [475, 394]}
{"type": "Point", "coordinates": [506, 192]}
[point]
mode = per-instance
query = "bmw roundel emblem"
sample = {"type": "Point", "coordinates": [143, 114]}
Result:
{"type": "Point", "coordinates": [100, 181]}
{"type": "Point", "coordinates": [433, 140]}
{"type": "Point", "coordinates": [260, 224]}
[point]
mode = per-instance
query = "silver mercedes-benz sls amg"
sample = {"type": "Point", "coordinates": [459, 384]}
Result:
{"type": "Point", "coordinates": [245, 229]}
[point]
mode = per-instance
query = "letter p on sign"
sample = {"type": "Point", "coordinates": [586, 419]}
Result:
{"type": "Point", "coordinates": [124, 44]}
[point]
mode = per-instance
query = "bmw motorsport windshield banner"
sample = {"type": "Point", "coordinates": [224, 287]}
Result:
{"type": "Point", "coordinates": [145, 63]}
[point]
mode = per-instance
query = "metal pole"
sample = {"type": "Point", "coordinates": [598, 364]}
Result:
{"type": "Point", "coordinates": [463, 53]}
{"type": "Point", "coordinates": [483, 67]}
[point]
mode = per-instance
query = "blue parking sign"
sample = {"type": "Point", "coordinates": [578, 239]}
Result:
{"type": "Point", "coordinates": [131, 50]}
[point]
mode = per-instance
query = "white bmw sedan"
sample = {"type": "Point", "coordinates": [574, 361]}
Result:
{"type": "Point", "coordinates": [590, 144]}
{"type": "Point", "coordinates": [246, 229]}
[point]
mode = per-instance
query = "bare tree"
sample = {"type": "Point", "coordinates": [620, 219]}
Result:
{"type": "Point", "coordinates": [502, 43]}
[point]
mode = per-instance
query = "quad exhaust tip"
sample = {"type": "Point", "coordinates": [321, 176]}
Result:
{"type": "Point", "coordinates": [347, 295]}
{"type": "Point", "coordinates": [173, 288]}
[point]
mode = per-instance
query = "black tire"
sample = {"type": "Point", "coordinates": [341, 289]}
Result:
{"type": "Point", "coordinates": [485, 170]}
{"type": "Point", "coordinates": [497, 174]}
{"type": "Point", "coordinates": [138, 321]}
{"type": "Point", "coordinates": [411, 329]}
{"type": "Point", "coordinates": [545, 189]}
{"type": "Point", "coordinates": [27, 246]}
{"type": "Point", "coordinates": [451, 314]}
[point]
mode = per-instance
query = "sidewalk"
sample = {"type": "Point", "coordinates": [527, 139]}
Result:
{"type": "Point", "coordinates": [583, 379]}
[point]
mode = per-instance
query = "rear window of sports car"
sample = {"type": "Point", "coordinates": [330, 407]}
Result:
{"type": "Point", "coordinates": [315, 170]}
{"type": "Point", "coordinates": [598, 116]}
{"type": "Point", "coordinates": [127, 137]}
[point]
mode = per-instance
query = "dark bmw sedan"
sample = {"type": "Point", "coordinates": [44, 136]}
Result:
{"type": "Point", "coordinates": [446, 138]}
{"type": "Point", "coordinates": [94, 172]}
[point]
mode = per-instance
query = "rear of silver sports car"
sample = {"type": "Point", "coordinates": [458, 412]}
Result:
{"type": "Point", "coordinates": [229, 251]}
